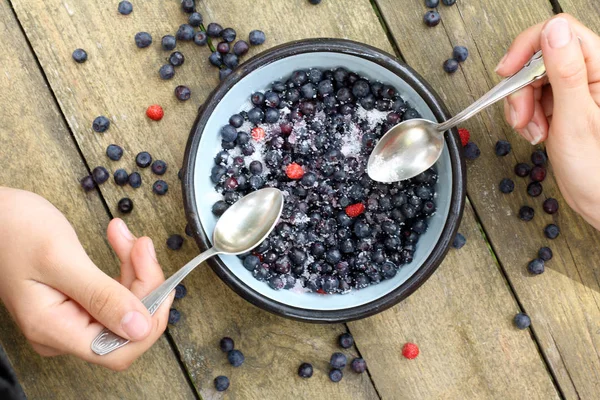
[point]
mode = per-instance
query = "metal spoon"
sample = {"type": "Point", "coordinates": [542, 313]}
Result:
{"type": "Point", "coordinates": [413, 146]}
{"type": "Point", "coordinates": [241, 228]}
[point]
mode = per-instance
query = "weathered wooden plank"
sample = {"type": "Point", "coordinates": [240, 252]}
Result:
{"type": "Point", "coordinates": [274, 347]}
{"type": "Point", "coordinates": [563, 302]}
{"type": "Point", "coordinates": [39, 155]}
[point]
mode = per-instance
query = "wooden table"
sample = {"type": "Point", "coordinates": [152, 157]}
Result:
{"type": "Point", "coordinates": [461, 318]}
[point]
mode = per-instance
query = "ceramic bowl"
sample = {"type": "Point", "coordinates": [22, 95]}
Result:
{"type": "Point", "coordinates": [232, 95]}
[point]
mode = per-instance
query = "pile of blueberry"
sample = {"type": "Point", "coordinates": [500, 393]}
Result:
{"type": "Point", "coordinates": [310, 136]}
{"type": "Point", "coordinates": [235, 357]}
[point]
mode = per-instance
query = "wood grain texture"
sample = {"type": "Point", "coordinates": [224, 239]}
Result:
{"type": "Point", "coordinates": [38, 154]}
{"type": "Point", "coordinates": [120, 80]}
{"type": "Point", "coordinates": [563, 302]}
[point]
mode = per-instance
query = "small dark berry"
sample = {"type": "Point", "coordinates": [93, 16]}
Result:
{"type": "Point", "coordinates": [551, 231]}
{"type": "Point", "coordinates": [80, 55]}
{"type": "Point", "coordinates": [235, 358]}
{"type": "Point", "coordinates": [214, 30]}
{"type": "Point", "coordinates": [459, 241]}
{"type": "Point", "coordinates": [125, 205]}
{"type": "Point", "coordinates": [231, 60]}
{"type": "Point", "coordinates": [160, 187]}
{"type": "Point", "coordinates": [537, 174]}
{"type": "Point", "coordinates": [507, 185]}
{"type": "Point", "coordinates": [522, 169]}
{"type": "Point", "coordinates": [502, 148]}
{"type": "Point", "coordinates": [240, 48]}
{"type": "Point", "coordinates": [538, 157]}
{"type": "Point", "coordinates": [256, 37]}
{"type": "Point", "coordinates": [168, 42]}
{"type": "Point", "coordinates": [114, 152]}
{"type": "Point", "coordinates": [226, 344]}
{"type": "Point", "coordinates": [335, 375]}
{"type": "Point", "coordinates": [174, 242]}
{"type": "Point", "coordinates": [460, 53]}
{"type": "Point", "coordinates": [314, 2]}
{"type": "Point", "coordinates": [180, 291]}
{"type": "Point", "coordinates": [143, 159]}
{"type": "Point", "coordinates": [536, 266]}
{"type": "Point", "coordinates": [188, 6]}
{"type": "Point", "coordinates": [159, 167]}
{"type": "Point", "coordinates": [176, 59]}
{"type": "Point", "coordinates": [200, 38]}
{"type": "Point", "coordinates": [224, 73]}
{"type": "Point", "coordinates": [182, 93]}
{"type": "Point", "coordinates": [448, 2]}
{"type": "Point", "coordinates": [195, 19]}
{"type": "Point", "coordinates": [185, 32]}
{"type": "Point", "coordinates": [338, 360]}
{"type": "Point", "coordinates": [358, 365]}
{"type": "Point", "coordinates": [101, 124]}
{"type": "Point", "coordinates": [228, 35]}
{"type": "Point", "coordinates": [221, 383]}
{"type": "Point", "coordinates": [526, 213]}
{"type": "Point", "coordinates": [431, 18]}
{"type": "Point", "coordinates": [223, 47]}
{"type": "Point", "coordinates": [545, 253]}
{"type": "Point", "coordinates": [174, 316]}
{"type": "Point", "coordinates": [100, 175]}
{"type": "Point", "coordinates": [143, 39]}
{"type": "Point", "coordinates": [87, 183]}
{"type": "Point", "coordinates": [125, 7]}
{"type": "Point", "coordinates": [534, 189]}
{"type": "Point", "coordinates": [135, 180]}
{"type": "Point", "coordinates": [450, 65]}
{"type": "Point", "coordinates": [166, 72]}
{"type": "Point", "coordinates": [472, 151]}
{"type": "Point", "coordinates": [121, 177]}
{"type": "Point", "coordinates": [432, 3]}
{"type": "Point", "coordinates": [305, 370]}
{"type": "Point", "coordinates": [550, 206]}
{"type": "Point", "coordinates": [216, 59]}
{"type": "Point", "coordinates": [522, 321]}
{"type": "Point", "coordinates": [346, 340]}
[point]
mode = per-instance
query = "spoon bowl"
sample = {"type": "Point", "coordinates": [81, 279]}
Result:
{"type": "Point", "coordinates": [405, 151]}
{"type": "Point", "coordinates": [248, 222]}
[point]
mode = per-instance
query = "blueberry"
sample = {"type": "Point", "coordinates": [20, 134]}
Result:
{"type": "Point", "coordinates": [223, 48]}
{"type": "Point", "coordinates": [277, 86]}
{"type": "Point", "coordinates": [251, 262]}
{"type": "Point", "coordinates": [226, 344]}
{"type": "Point", "coordinates": [256, 116]}
{"type": "Point", "coordinates": [195, 19]}
{"type": "Point", "coordinates": [160, 187]}
{"type": "Point", "coordinates": [361, 88]}
{"type": "Point", "coordinates": [228, 133]}
{"type": "Point", "coordinates": [240, 48]}
{"type": "Point", "coordinates": [325, 88]}
{"type": "Point", "coordinates": [388, 270]}
{"type": "Point", "coordinates": [256, 167]}
{"type": "Point", "coordinates": [408, 210]}
{"type": "Point", "coordinates": [100, 175]}
{"type": "Point", "coordinates": [526, 213]}
{"type": "Point", "coordinates": [188, 6]}
{"type": "Point", "coordinates": [185, 32]}
{"type": "Point", "coordinates": [258, 98]}
{"type": "Point", "coordinates": [545, 253]}
{"type": "Point", "coordinates": [550, 205]}
{"type": "Point", "coordinates": [235, 357]}
{"type": "Point", "coordinates": [472, 151]}
{"type": "Point", "coordinates": [114, 152]}
{"type": "Point", "coordinates": [308, 91]}
{"type": "Point", "coordinates": [538, 157]}
{"type": "Point", "coordinates": [448, 2]}
{"type": "Point", "coordinates": [214, 30]}
{"type": "Point", "coordinates": [431, 18]}
{"type": "Point", "coordinates": [200, 38]}
{"type": "Point", "coordinates": [236, 120]}
{"type": "Point", "coordinates": [314, 2]}
{"type": "Point", "coordinates": [168, 42]}
{"type": "Point", "coordinates": [551, 231]}
{"type": "Point", "coordinates": [256, 37]}
{"type": "Point", "coordinates": [135, 180]}
{"type": "Point", "coordinates": [256, 182]}
{"type": "Point", "coordinates": [166, 72]}
{"type": "Point", "coordinates": [231, 60]}
{"type": "Point", "coordinates": [359, 365]}
{"type": "Point", "coordinates": [332, 256]}
{"type": "Point", "coordinates": [305, 370]}
{"type": "Point", "coordinates": [228, 35]}
{"type": "Point", "coordinates": [221, 383]}
{"type": "Point", "coordinates": [459, 241]}
{"type": "Point", "coordinates": [411, 113]}
{"type": "Point", "coordinates": [346, 340]}
{"type": "Point", "coordinates": [315, 75]}
{"type": "Point", "coordinates": [534, 189]}
{"type": "Point", "coordinates": [502, 148]}
{"type": "Point", "coordinates": [536, 266]}
{"type": "Point", "coordinates": [224, 73]}
{"type": "Point", "coordinates": [216, 59]}
{"type": "Point", "coordinates": [432, 3]}
{"type": "Point", "coordinates": [537, 174]}
{"type": "Point", "coordinates": [276, 283]}
{"type": "Point", "coordinates": [182, 93]}
{"type": "Point", "coordinates": [460, 53]}
{"type": "Point", "coordinates": [338, 360]}
{"type": "Point", "coordinates": [143, 39]}
{"type": "Point", "coordinates": [174, 242]}
{"type": "Point", "coordinates": [125, 205]}
{"type": "Point", "coordinates": [143, 159]}
{"type": "Point", "coordinates": [176, 59]}
{"type": "Point", "coordinates": [80, 55]}
{"type": "Point", "coordinates": [159, 167]}
{"type": "Point", "coordinates": [344, 95]}
{"type": "Point", "coordinates": [180, 291]}
{"type": "Point", "coordinates": [522, 321]}
{"type": "Point", "coordinates": [100, 124]}
{"type": "Point", "coordinates": [335, 375]}
{"type": "Point", "coordinates": [125, 7]}
{"type": "Point", "coordinates": [121, 177]}
{"type": "Point", "coordinates": [361, 229]}
{"type": "Point", "coordinates": [450, 65]}
{"type": "Point", "coordinates": [507, 185]}
{"type": "Point", "coordinates": [522, 169]}
{"type": "Point", "coordinates": [174, 316]}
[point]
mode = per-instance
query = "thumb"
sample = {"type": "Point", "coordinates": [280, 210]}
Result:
{"type": "Point", "coordinates": [565, 67]}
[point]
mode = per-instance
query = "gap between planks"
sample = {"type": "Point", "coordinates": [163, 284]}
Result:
{"type": "Point", "coordinates": [168, 336]}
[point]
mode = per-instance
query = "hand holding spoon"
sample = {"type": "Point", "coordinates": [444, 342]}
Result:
{"type": "Point", "coordinates": [413, 146]}
{"type": "Point", "coordinates": [241, 228]}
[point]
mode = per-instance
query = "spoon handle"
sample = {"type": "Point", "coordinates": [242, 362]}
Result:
{"type": "Point", "coordinates": [531, 72]}
{"type": "Point", "coordinates": [107, 341]}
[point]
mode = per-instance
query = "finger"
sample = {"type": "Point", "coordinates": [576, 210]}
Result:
{"type": "Point", "coordinates": [509, 116]}
{"type": "Point", "coordinates": [520, 107]}
{"type": "Point", "coordinates": [45, 351]}
{"type": "Point", "coordinates": [106, 300]}
{"type": "Point", "coordinates": [122, 241]}
{"type": "Point", "coordinates": [538, 126]}
{"type": "Point", "coordinates": [565, 67]}
{"type": "Point", "coordinates": [148, 273]}
{"type": "Point", "coordinates": [547, 100]}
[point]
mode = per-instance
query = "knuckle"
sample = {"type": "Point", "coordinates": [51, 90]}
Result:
{"type": "Point", "coordinates": [99, 300]}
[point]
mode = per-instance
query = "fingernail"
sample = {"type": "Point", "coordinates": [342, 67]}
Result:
{"type": "Point", "coordinates": [525, 133]}
{"type": "Point", "coordinates": [558, 33]}
{"type": "Point", "coordinates": [125, 231]}
{"type": "Point", "coordinates": [535, 132]}
{"type": "Point", "coordinates": [135, 325]}
{"type": "Point", "coordinates": [151, 250]}
{"type": "Point", "coordinates": [501, 63]}
{"type": "Point", "coordinates": [514, 117]}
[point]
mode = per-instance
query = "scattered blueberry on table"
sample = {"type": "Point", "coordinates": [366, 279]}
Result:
{"type": "Point", "coordinates": [228, 35]}
{"type": "Point", "coordinates": [536, 266]}
{"type": "Point", "coordinates": [183, 93]}
{"type": "Point", "coordinates": [160, 187]}
{"type": "Point", "coordinates": [256, 37]}
{"type": "Point", "coordinates": [143, 159]}
{"type": "Point", "coordinates": [502, 148]}
{"type": "Point", "coordinates": [159, 167]}
{"type": "Point", "coordinates": [346, 340]}
{"type": "Point", "coordinates": [305, 370]}
{"type": "Point", "coordinates": [174, 242]}
{"type": "Point", "coordinates": [235, 357]}
{"type": "Point", "coordinates": [125, 205]}
{"type": "Point", "coordinates": [214, 30]}
{"type": "Point", "coordinates": [472, 151]}
{"type": "Point", "coordinates": [100, 175]}
{"type": "Point", "coordinates": [534, 189]}
{"type": "Point", "coordinates": [143, 39]}
{"type": "Point", "coordinates": [80, 55]}
{"type": "Point", "coordinates": [338, 360]}
{"type": "Point", "coordinates": [459, 241]}
{"type": "Point", "coordinates": [545, 253]}
{"type": "Point", "coordinates": [168, 42]}
{"type": "Point", "coordinates": [176, 59]}
{"type": "Point", "coordinates": [450, 65]}
{"type": "Point", "coordinates": [226, 344]}
{"type": "Point", "coordinates": [314, 2]}
{"type": "Point", "coordinates": [432, 3]}
{"type": "Point", "coordinates": [185, 32]}
{"type": "Point", "coordinates": [195, 19]}
{"type": "Point", "coordinates": [537, 173]}
{"type": "Point", "coordinates": [221, 383]}
{"type": "Point", "coordinates": [460, 53]}
{"type": "Point", "coordinates": [101, 124]}
{"type": "Point", "coordinates": [114, 152]}
{"type": "Point", "coordinates": [224, 73]}
{"type": "Point", "coordinates": [174, 316]}
{"type": "Point", "coordinates": [522, 321]}
{"type": "Point", "coordinates": [538, 157]}
{"type": "Point", "coordinates": [135, 180]}
{"type": "Point", "coordinates": [358, 365]}
{"type": "Point", "coordinates": [526, 213]}
{"type": "Point", "coordinates": [507, 185]}
{"type": "Point", "coordinates": [335, 375]}
{"type": "Point", "coordinates": [121, 177]}
{"type": "Point", "coordinates": [216, 59]}
{"type": "Point", "coordinates": [431, 18]}
{"type": "Point", "coordinates": [188, 6]}
{"type": "Point", "coordinates": [551, 231]}
{"type": "Point", "coordinates": [125, 7]}
{"type": "Point", "coordinates": [166, 72]}
{"type": "Point", "coordinates": [522, 170]}
{"type": "Point", "coordinates": [87, 183]}
{"type": "Point", "coordinates": [550, 205]}
{"type": "Point", "coordinates": [200, 38]}
{"type": "Point", "coordinates": [223, 47]}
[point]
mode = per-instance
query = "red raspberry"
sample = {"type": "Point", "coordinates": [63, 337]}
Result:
{"type": "Point", "coordinates": [410, 351]}
{"type": "Point", "coordinates": [465, 135]}
{"type": "Point", "coordinates": [294, 171]}
{"type": "Point", "coordinates": [257, 134]}
{"type": "Point", "coordinates": [155, 112]}
{"type": "Point", "coordinates": [354, 210]}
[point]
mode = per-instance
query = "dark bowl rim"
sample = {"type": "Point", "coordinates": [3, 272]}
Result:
{"type": "Point", "coordinates": [457, 200]}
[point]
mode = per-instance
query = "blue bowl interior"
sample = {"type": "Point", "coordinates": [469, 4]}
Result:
{"type": "Point", "coordinates": [237, 99]}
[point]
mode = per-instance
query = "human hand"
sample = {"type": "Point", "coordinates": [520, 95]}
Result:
{"type": "Point", "coordinates": [565, 113]}
{"type": "Point", "coordinates": [59, 298]}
